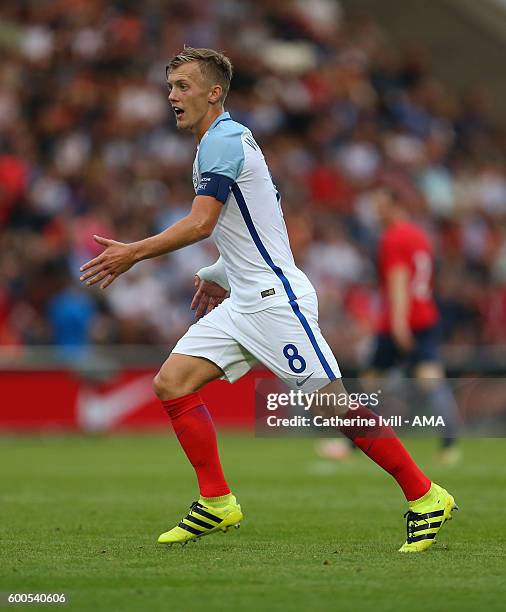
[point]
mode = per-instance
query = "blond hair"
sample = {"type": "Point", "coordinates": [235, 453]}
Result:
{"type": "Point", "coordinates": [214, 66]}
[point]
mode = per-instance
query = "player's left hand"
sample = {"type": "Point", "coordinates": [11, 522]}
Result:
{"type": "Point", "coordinates": [117, 258]}
{"type": "Point", "coordinates": [404, 340]}
{"type": "Point", "coordinates": [207, 296]}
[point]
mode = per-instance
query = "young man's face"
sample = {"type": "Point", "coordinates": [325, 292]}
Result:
{"type": "Point", "coordinates": [383, 205]}
{"type": "Point", "coordinates": [188, 95]}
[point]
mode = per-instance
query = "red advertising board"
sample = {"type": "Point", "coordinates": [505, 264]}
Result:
{"type": "Point", "coordinates": [63, 400]}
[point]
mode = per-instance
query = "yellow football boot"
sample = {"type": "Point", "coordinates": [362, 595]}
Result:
{"type": "Point", "coordinates": [204, 519]}
{"type": "Point", "coordinates": [425, 518]}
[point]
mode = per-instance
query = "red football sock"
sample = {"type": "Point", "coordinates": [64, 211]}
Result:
{"type": "Point", "coordinates": [195, 431]}
{"type": "Point", "coordinates": [380, 443]}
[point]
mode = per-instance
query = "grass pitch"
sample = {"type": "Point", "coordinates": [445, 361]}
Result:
{"type": "Point", "coordinates": [82, 515]}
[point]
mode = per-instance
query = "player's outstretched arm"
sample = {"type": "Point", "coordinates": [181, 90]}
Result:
{"type": "Point", "coordinates": [119, 257]}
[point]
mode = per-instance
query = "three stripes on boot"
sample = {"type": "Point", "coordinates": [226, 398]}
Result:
{"type": "Point", "coordinates": [421, 522]}
{"type": "Point", "coordinates": [197, 508]}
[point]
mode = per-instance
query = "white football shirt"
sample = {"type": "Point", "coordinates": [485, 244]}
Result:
{"type": "Point", "coordinates": [250, 234]}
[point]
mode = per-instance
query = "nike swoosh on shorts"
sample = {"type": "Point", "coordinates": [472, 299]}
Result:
{"type": "Point", "coordinates": [299, 383]}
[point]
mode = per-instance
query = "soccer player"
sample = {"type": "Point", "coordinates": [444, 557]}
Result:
{"type": "Point", "coordinates": [408, 333]}
{"type": "Point", "coordinates": [271, 315]}
{"type": "Point", "coordinates": [409, 322]}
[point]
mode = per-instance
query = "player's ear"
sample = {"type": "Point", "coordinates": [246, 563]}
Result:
{"type": "Point", "coordinates": [215, 94]}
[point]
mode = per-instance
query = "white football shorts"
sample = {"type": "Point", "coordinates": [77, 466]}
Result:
{"type": "Point", "coordinates": [285, 338]}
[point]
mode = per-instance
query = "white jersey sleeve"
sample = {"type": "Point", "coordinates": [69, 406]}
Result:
{"type": "Point", "coordinates": [215, 273]}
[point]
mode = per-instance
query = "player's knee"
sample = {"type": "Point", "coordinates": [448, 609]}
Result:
{"type": "Point", "coordinates": [429, 376]}
{"type": "Point", "coordinates": [168, 384]}
{"type": "Point", "coordinates": [158, 386]}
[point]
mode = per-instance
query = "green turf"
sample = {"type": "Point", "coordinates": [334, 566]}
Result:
{"type": "Point", "coordinates": [81, 516]}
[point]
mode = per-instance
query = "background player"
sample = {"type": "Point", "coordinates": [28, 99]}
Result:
{"type": "Point", "coordinates": [271, 315]}
{"type": "Point", "coordinates": [408, 334]}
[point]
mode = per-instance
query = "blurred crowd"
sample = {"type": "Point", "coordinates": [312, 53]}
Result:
{"type": "Point", "coordinates": [88, 146]}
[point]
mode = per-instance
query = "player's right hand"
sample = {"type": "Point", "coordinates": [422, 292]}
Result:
{"type": "Point", "coordinates": [115, 259]}
{"type": "Point", "coordinates": [207, 296]}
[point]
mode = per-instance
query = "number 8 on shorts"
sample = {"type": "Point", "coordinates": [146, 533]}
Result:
{"type": "Point", "coordinates": [292, 354]}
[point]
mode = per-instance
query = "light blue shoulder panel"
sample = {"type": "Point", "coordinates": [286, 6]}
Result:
{"type": "Point", "coordinates": [221, 151]}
